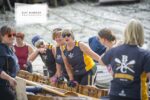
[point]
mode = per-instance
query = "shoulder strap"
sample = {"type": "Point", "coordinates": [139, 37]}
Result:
{"type": "Point", "coordinates": [64, 47]}
{"type": "Point", "coordinates": [77, 43]}
{"type": "Point", "coordinates": [50, 46]}
{"type": "Point", "coordinates": [26, 45]}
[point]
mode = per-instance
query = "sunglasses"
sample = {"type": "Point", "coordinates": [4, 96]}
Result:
{"type": "Point", "coordinates": [11, 35]}
{"type": "Point", "coordinates": [39, 43]}
{"type": "Point", "coordinates": [64, 35]}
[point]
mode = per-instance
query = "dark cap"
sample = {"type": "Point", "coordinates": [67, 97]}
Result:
{"type": "Point", "coordinates": [35, 39]}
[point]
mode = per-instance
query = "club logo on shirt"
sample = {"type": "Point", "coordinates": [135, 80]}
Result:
{"type": "Point", "coordinates": [122, 93]}
{"type": "Point", "coordinates": [124, 67]}
{"type": "Point", "coordinates": [58, 57]}
{"type": "Point", "coordinates": [71, 55]}
{"type": "Point", "coordinates": [124, 64]}
{"type": "Point", "coordinates": [44, 56]}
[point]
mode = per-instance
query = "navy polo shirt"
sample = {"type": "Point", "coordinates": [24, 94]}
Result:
{"type": "Point", "coordinates": [8, 62]}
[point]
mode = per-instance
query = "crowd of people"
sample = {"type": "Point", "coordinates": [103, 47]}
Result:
{"type": "Point", "coordinates": [75, 62]}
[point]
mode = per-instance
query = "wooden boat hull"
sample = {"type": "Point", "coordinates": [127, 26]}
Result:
{"type": "Point", "coordinates": [39, 97]}
{"type": "Point", "coordinates": [81, 90]}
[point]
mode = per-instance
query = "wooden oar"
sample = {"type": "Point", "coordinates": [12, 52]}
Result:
{"type": "Point", "coordinates": [57, 91]}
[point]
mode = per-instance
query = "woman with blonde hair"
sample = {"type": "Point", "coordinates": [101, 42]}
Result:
{"type": "Point", "coordinates": [60, 66]}
{"type": "Point", "coordinates": [77, 57]}
{"type": "Point", "coordinates": [130, 64]}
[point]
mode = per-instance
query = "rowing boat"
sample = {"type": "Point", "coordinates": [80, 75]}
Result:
{"type": "Point", "coordinates": [60, 89]}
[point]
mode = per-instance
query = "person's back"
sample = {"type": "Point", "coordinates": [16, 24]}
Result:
{"type": "Point", "coordinates": [130, 65]}
{"type": "Point", "coordinates": [127, 66]}
{"type": "Point", "coordinates": [96, 46]}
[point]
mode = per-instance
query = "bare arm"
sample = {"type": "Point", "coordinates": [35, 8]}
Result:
{"type": "Point", "coordinates": [58, 66]}
{"type": "Point", "coordinates": [148, 76]}
{"type": "Point", "coordinates": [87, 50]}
{"type": "Point", "coordinates": [58, 70]}
{"type": "Point", "coordinates": [67, 66]}
{"type": "Point", "coordinates": [30, 49]}
{"type": "Point", "coordinates": [33, 56]}
{"type": "Point", "coordinates": [54, 51]}
{"type": "Point", "coordinates": [11, 80]}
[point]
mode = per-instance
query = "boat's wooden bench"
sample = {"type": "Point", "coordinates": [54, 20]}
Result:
{"type": "Point", "coordinates": [91, 91]}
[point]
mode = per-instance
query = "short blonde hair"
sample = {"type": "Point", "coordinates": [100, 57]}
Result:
{"type": "Point", "coordinates": [134, 33]}
{"type": "Point", "coordinates": [55, 32]}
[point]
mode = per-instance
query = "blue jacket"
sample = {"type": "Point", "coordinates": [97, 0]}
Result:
{"type": "Point", "coordinates": [96, 46]}
{"type": "Point", "coordinates": [8, 62]}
